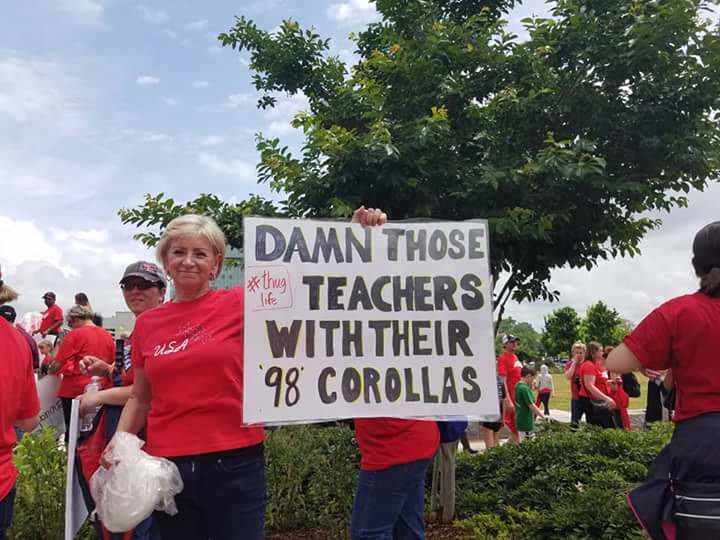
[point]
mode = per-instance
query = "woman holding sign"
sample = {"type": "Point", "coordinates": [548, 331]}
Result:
{"type": "Point", "coordinates": [395, 455]}
{"type": "Point", "coordinates": [187, 355]}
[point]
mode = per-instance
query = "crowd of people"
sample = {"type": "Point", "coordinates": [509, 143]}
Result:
{"type": "Point", "coordinates": [177, 382]}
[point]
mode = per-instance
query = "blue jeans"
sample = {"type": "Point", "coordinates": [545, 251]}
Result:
{"type": "Point", "coordinates": [576, 411]}
{"type": "Point", "coordinates": [223, 497]}
{"type": "Point", "coordinates": [6, 512]}
{"type": "Point", "coordinates": [389, 503]}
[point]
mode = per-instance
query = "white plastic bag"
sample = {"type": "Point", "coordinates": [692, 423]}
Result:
{"type": "Point", "coordinates": [134, 485]}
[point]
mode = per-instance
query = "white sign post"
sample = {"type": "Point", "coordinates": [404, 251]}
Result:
{"type": "Point", "coordinates": [343, 322]}
{"type": "Point", "coordinates": [75, 509]}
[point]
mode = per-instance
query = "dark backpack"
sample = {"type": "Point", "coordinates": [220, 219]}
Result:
{"type": "Point", "coordinates": [631, 385]}
{"type": "Point", "coordinates": [451, 430]}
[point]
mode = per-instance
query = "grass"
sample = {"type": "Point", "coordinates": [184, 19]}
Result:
{"type": "Point", "coordinates": [561, 397]}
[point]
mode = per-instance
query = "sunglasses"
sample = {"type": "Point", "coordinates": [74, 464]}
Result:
{"type": "Point", "coordinates": [139, 285]}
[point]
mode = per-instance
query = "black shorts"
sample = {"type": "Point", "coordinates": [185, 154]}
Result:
{"type": "Point", "coordinates": [495, 426]}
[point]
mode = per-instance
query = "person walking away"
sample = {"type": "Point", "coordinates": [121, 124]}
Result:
{"type": "Point", "coordinates": [143, 288]}
{"type": "Point", "coordinates": [8, 313]}
{"type": "Point", "coordinates": [525, 408]}
{"type": "Point", "coordinates": [682, 489]}
{"type": "Point", "coordinates": [572, 374]}
{"type": "Point", "coordinates": [508, 369]}
{"type": "Point", "coordinates": [52, 317]}
{"type": "Point", "coordinates": [545, 388]}
{"type": "Point", "coordinates": [83, 339]}
{"type": "Point", "coordinates": [598, 406]}
{"type": "Point", "coordinates": [19, 408]}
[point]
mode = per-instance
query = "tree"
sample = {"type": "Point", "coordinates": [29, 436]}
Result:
{"type": "Point", "coordinates": [562, 141]}
{"type": "Point", "coordinates": [530, 346]}
{"type": "Point", "coordinates": [602, 324]}
{"type": "Point", "coordinates": [561, 331]}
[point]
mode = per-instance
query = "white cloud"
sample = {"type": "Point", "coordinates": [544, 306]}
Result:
{"type": "Point", "coordinates": [36, 91]}
{"type": "Point", "coordinates": [81, 11]}
{"type": "Point", "coordinates": [200, 84]}
{"type": "Point", "coordinates": [353, 12]}
{"type": "Point", "coordinates": [170, 102]}
{"type": "Point", "coordinates": [167, 32]}
{"type": "Point", "coordinates": [147, 80]}
{"type": "Point", "coordinates": [211, 140]}
{"type": "Point", "coordinates": [154, 16]}
{"type": "Point", "coordinates": [242, 170]}
{"type": "Point", "coordinates": [238, 100]}
{"type": "Point", "coordinates": [150, 137]}
{"type": "Point", "coordinates": [197, 25]}
{"type": "Point", "coordinates": [66, 261]}
{"type": "Point", "coordinates": [280, 116]}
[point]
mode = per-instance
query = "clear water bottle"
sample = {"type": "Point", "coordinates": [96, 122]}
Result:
{"type": "Point", "coordinates": [86, 421]}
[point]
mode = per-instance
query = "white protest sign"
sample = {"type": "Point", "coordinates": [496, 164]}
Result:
{"type": "Point", "coordinates": [51, 411]}
{"type": "Point", "coordinates": [343, 322]}
{"type": "Point", "coordinates": [75, 509]}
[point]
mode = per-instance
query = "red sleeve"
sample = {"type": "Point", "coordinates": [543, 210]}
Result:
{"type": "Point", "coordinates": [502, 370]}
{"type": "Point", "coordinates": [30, 403]}
{"type": "Point", "coordinates": [588, 368]}
{"type": "Point", "coordinates": [57, 314]}
{"type": "Point", "coordinates": [650, 342]}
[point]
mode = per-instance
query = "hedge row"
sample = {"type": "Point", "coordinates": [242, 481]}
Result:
{"type": "Point", "coordinates": [560, 485]}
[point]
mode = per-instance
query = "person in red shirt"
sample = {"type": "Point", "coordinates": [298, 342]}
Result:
{"type": "Point", "coordinates": [143, 288]}
{"type": "Point", "coordinates": [683, 335]}
{"type": "Point", "coordinates": [19, 408]}
{"type": "Point", "coordinates": [52, 317]}
{"type": "Point", "coordinates": [395, 454]}
{"type": "Point", "coordinates": [597, 405]}
{"type": "Point", "coordinates": [84, 339]}
{"type": "Point", "coordinates": [621, 399]}
{"type": "Point", "coordinates": [187, 359]}
{"type": "Point", "coordinates": [572, 374]}
{"type": "Point", "coordinates": [508, 369]}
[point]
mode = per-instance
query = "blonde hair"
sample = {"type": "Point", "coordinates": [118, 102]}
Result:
{"type": "Point", "coordinates": [578, 345]}
{"type": "Point", "coordinates": [7, 294]}
{"type": "Point", "coordinates": [79, 312]}
{"type": "Point", "coordinates": [191, 225]}
{"type": "Point", "coordinates": [45, 343]}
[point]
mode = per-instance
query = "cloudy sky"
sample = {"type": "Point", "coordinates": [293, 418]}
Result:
{"type": "Point", "coordinates": [102, 101]}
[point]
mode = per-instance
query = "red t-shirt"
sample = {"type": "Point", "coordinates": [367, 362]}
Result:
{"type": "Point", "coordinates": [386, 442]}
{"type": "Point", "coordinates": [683, 335]}
{"type": "Point", "coordinates": [574, 388]}
{"type": "Point", "coordinates": [590, 368]}
{"type": "Point", "coordinates": [88, 340]}
{"type": "Point", "coordinates": [50, 316]}
{"type": "Point", "coordinates": [18, 397]}
{"type": "Point", "coordinates": [509, 366]}
{"type": "Point", "coordinates": [192, 354]}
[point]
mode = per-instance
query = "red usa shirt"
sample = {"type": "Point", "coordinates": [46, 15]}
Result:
{"type": "Point", "coordinates": [509, 366]}
{"type": "Point", "coordinates": [50, 316]}
{"type": "Point", "coordinates": [192, 355]}
{"type": "Point", "coordinates": [18, 397]}
{"type": "Point", "coordinates": [386, 442]}
{"type": "Point", "coordinates": [684, 335]}
{"type": "Point", "coordinates": [589, 367]}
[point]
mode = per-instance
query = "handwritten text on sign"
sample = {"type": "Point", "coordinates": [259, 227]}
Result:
{"type": "Point", "coordinates": [344, 321]}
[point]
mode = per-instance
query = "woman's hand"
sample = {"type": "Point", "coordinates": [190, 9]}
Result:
{"type": "Point", "coordinates": [89, 365]}
{"type": "Point", "coordinates": [89, 402]}
{"type": "Point", "coordinates": [369, 217]}
{"type": "Point", "coordinates": [611, 403]}
{"type": "Point", "coordinates": [509, 405]}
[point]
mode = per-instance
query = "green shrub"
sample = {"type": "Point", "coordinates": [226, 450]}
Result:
{"type": "Point", "coordinates": [311, 473]}
{"type": "Point", "coordinates": [559, 485]}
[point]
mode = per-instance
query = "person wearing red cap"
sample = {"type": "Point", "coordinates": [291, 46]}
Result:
{"type": "Point", "coordinates": [52, 317]}
{"type": "Point", "coordinates": [508, 369]}
{"type": "Point", "coordinates": [19, 408]}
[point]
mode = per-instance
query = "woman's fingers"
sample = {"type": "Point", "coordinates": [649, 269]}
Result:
{"type": "Point", "coordinates": [369, 217]}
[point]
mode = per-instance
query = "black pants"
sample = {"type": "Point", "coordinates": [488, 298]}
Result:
{"type": "Point", "coordinates": [545, 400]}
{"type": "Point", "coordinates": [597, 416]}
{"type": "Point", "coordinates": [67, 407]}
{"type": "Point", "coordinates": [6, 512]}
